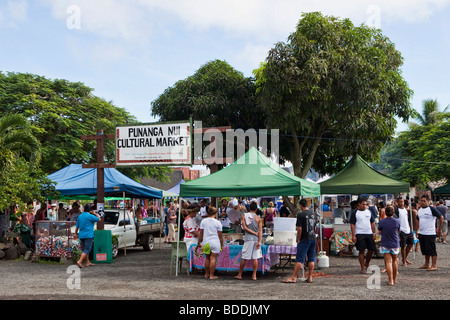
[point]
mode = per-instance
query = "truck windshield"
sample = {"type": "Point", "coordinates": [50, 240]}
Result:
{"type": "Point", "coordinates": [111, 217]}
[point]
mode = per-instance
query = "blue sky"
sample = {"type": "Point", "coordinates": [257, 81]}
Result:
{"type": "Point", "coordinates": [131, 51]}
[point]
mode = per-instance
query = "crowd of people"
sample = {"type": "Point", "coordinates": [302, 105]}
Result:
{"type": "Point", "coordinates": [401, 225]}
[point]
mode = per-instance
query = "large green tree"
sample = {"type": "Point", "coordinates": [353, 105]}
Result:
{"type": "Point", "coordinates": [333, 89]}
{"type": "Point", "coordinates": [217, 95]}
{"type": "Point", "coordinates": [60, 112]}
{"type": "Point", "coordinates": [418, 155]}
{"type": "Point", "coordinates": [20, 176]}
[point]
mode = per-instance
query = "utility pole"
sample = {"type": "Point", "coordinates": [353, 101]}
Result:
{"type": "Point", "coordinates": [100, 166]}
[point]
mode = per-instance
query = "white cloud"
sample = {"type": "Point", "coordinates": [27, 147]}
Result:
{"type": "Point", "coordinates": [18, 10]}
{"type": "Point", "coordinates": [12, 13]}
{"type": "Point", "coordinates": [279, 17]}
{"type": "Point", "coordinates": [135, 20]}
{"type": "Point", "coordinates": [250, 57]}
{"type": "Point", "coordinates": [112, 19]}
{"type": "Point", "coordinates": [123, 27]}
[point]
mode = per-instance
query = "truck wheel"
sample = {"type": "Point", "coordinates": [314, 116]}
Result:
{"type": "Point", "coordinates": [149, 243]}
{"type": "Point", "coordinates": [115, 249]}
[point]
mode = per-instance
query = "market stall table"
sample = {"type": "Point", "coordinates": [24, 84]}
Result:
{"type": "Point", "coordinates": [342, 239]}
{"type": "Point", "coordinates": [282, 250]}
{"type": "Point", "coordinates": [230, 258]}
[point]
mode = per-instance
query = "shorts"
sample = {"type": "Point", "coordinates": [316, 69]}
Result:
{"type": "Point", "coordinates": [405, 239]}
{"type": "Point", "coordinates": [306, 248]}
{"type": "Point", "coordinates": [269, 224]}
{"type": "Point", "coordinates": [86, 244]}
{"type": "Point", "coordinates": [249, 251]}
{"type": "Point", "coordinates": [211, 247]}
{"type": "Point", "coordinates": [445, 227]}
{"type": "Point", "coordinates": [365, 241]}
{"type": "Point", "coordinates": [427, 245]}
{"type": "Point", "coordinates": [394, 251]}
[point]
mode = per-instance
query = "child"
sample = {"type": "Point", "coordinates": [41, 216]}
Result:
{"type": "Point", "coordinates": [389, 228]}
{"type": "Point", "coordinates": [210, 239]}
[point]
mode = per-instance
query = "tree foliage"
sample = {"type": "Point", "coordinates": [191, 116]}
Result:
{"type": "Point", "coordinates": [20, 175]}
{"type": "Point", "coordinates": [431, 113]}
{"type": "Point", "coordinates": [60, 112]}
{"type": "Point", "coordinates": [216, 94]}
{"type": "Point", "coordinates": [333, 89]}
{"type": "Point", "coordinates": [418, 155]}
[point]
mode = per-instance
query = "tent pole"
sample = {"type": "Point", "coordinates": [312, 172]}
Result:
{"type": "Point", "coordinates": [412, 222]}
{"type": "Point", "coordinates": [124, 227]}
{"type": "Point", "coordinates": [160, 217]}
{"type": "Point", "coordinates": [320, 224]}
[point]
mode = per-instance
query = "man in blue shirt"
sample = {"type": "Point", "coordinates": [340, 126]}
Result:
{"type": "Point", "coordinates": [85, 225]}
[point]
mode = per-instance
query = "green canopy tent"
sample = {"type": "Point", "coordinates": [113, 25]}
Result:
{"type": "Point", "coordinates": [442, 190]}
{"type": "Point", "coordinates": [358, 177]}
{"type": "Point", "coordinates": [252, 175]}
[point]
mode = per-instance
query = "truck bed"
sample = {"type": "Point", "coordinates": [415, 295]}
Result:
{"type": "Point", "coordinates": [149, 228]}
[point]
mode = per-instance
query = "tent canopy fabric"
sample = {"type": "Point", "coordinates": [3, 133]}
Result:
{"type": "Point", "coordinates": [442, 190]}
{"type": "Point", "coordinates": [358, 177]}
{"type": "Point", "coordinates": [252, 175]}
{"type": "Point", "coordinates": [168, 194]}
{"type": "Point", "coordinates": [176, 189]}
{"type": "Point", "coordinates": [76, 180]}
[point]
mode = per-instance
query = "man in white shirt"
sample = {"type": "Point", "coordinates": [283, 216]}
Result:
{"type": "Point", "coordinates": [224, 210]}
{"type": "Point", "coordinates": [427, 232]}
{"type": "Point", "coordinates": [203, 208]}
{"type": "Point", "coordinates": [406, 235]}
{"type": "Point", "coordinates": [362, 225]}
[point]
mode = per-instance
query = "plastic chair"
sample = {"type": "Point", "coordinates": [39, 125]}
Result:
{"type": "Point", "coordinates": [182, 253]}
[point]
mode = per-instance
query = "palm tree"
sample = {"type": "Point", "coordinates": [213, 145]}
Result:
{"type": "Point", "coordinates": [17, 140]}
{"type": "Point", "coordinates": [430, 113]}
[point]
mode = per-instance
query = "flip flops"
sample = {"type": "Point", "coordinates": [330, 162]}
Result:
{"type": "Point", "coordinates": [288, 281]}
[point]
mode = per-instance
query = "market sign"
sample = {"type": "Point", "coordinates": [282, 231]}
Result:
{"type": "Point", "coordinates": [154, 144]}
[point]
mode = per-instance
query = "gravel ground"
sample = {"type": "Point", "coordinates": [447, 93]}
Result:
{"type": "Point", "coordinates": [144, 275]}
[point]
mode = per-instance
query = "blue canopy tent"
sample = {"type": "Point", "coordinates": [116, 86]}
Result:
{"type": "Point", "coordinates": [76, 180]}
{"type": "Point", "coordinates": [176, 188]}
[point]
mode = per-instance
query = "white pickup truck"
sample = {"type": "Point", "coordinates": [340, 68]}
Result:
{"type": "Point", "coordinates": [133, 233]}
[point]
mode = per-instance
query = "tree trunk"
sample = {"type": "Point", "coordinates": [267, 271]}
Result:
{"type": "Point", "coordinates": [3, 224]}
{"type": "Point", "coordinates": [300, 165]}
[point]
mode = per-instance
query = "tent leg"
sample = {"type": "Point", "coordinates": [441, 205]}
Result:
{"type": "Point", "coordinates": [412, 223]}
{"type": "Point", "coordinates": [124, 227]}
{"type": "Point", "coordinates": [320, 224]}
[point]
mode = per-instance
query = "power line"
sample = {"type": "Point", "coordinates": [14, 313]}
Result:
{"type": "Point", "coordinates": [411, 160]}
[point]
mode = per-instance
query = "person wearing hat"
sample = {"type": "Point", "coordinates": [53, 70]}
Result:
{"type": "Point", "coordinates": [52, 213]}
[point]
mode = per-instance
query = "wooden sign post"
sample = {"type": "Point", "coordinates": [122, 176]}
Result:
{"type": "Point", "coordinates": [100, 166]}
